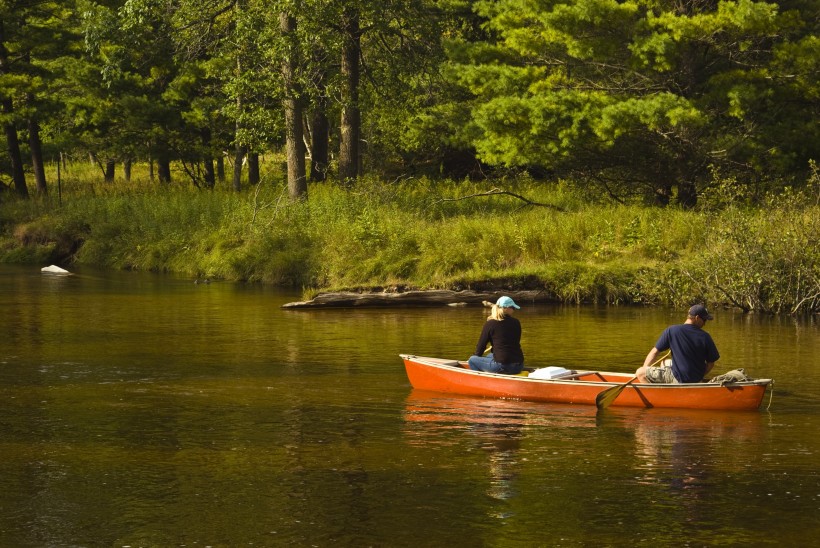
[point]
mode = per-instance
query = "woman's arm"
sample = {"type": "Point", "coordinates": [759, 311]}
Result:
{"type": "Point", "coordinates": [483, 340]}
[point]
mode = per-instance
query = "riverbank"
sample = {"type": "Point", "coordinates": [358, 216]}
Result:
{"type": "Point", "coordinates": [422, 235]}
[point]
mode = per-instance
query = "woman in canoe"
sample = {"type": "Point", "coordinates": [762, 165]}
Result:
{"type": "Point", "coordinates": [503, 332]}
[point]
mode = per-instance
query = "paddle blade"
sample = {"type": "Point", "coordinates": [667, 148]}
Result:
{"type": "Point", "coordinates": [606, 397]}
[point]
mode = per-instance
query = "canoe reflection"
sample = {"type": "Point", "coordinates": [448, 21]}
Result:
{"type": "Point", "coordinates": [693, 454]}
{"type": "Point", "coordinates": [424, 406]}
{"type": "Point", "coordinates": [492, 426]}
{"type": "Point", "coordinates": [681, 456]}
{"type": "Point", "coordinates": [686, 441]}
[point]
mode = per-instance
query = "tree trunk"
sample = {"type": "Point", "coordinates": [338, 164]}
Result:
{"type": "Point", "coordinates": [110, 167]}
{"type": "Point", "coordinates": [16, 159]}
{"type": "Point", "coordinates": [350, 299]}
{"type": "Point", "coordinates": [319, 125]}
{"type": "Point", "coordinates": [220, 168]}
{"type": "Point", "coordinates": [295, 146]}
{"type": "Point", "coordinates": [37, 156]}
{"type": "Point", "coordinates": [126, 169]}
{"type": "Point", "coordinates": [319, 144]}
{"type": "Point", "coordinates": [253, 168]}
{"type": "Point", "coordinates": [351, 118]}
{"type": "Point", "coordinates": [239, 149]}
{"type": "Point", "coordinates": [687, 194]}
{"type": "Point", "coordinates": [164, 170]}
{"type": "Point", "coordinates": [208, 158]}
{"type": "Point", "coordinates": [238, 158]}
{"type": "Point", "coordinates": [17, 173]}
{"type": "Point", "coordinates": [210, 176]}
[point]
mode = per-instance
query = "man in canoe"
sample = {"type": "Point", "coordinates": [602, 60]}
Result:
{"type": "Point", "coordinates": [503, 332]}
{"type": "Point", "coordinates": [693, 351]}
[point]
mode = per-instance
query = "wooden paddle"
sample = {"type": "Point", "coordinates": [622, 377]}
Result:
{"type": "Point", "coordinates": [606, 397]}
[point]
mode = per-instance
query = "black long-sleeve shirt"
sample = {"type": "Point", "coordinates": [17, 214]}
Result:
{"type": "Point", "coordinates": [505, 337]}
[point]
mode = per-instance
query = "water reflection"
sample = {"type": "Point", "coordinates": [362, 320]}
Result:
{"type": "Point", "coordinates": [146, 410]}
{"type": "Point", "coordinates": [677, 458]}
{"type": "Point", "coordinates": [494, 429]}
{"type": "Point", "coordinates": [692, 455]}
{"type": "Point", "coordinates": [502, 441]}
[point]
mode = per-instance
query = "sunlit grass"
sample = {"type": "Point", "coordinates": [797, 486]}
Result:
{"type": "Point", "coordinates": [422, 233]}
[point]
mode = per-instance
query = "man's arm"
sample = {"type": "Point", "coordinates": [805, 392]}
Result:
{"type": "Point", "coordinates": [650, 358]}
{"type": "Point", "coordinates": [709, 366]}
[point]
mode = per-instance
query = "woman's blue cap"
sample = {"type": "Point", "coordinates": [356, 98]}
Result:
{"type": "Point", "coordinates": [506, 302]}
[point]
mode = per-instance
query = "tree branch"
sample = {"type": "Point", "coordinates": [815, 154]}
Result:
{"type": "Point", "coordinates": [499, 192]}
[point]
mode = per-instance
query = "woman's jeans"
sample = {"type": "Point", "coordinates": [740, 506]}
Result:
{"type": "Point", "coordinates": [487, 363]}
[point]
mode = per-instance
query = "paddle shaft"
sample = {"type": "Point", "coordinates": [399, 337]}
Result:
{"type": "Point", "coordinates": [606, 397]}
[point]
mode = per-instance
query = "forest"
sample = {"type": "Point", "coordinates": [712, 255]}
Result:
{"type": "Point", "coordinates": [456, 110]}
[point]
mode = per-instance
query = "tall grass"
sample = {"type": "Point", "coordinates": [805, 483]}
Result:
{"type": "Point", "coordinates": [434, 234]}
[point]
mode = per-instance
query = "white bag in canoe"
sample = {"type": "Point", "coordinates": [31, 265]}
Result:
{"type": "Point", "coordinates": [549, 373]}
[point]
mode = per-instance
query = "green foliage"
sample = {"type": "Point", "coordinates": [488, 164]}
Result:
{"type": "Point", "coordinates": [435, 234]}
{"type": "Point", "coordinates": [585, 283]}
{"type": "Point", "coordinates": [767, 261]}
{"type": "Point", "coordinates": [756, 259]}
{"type": "Point", "coordinates": [646, 95]}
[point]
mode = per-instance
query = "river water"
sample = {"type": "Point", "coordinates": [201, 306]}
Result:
{"type": "Point", "coordinates": [146, 410]}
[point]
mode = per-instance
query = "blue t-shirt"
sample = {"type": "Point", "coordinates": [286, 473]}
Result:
{"type": "Point", "coordinates": [692, 348]}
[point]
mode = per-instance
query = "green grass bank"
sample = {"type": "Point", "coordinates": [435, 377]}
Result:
{"type": "Point", "coordinates": [420, 233]}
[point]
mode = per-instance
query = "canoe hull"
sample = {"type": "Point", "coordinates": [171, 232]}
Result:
{"type": "Point", "coordinates": [450, 376]}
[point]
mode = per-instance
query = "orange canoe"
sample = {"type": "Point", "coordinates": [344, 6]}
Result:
{"type": "Point", "coordinates": [438, 375]}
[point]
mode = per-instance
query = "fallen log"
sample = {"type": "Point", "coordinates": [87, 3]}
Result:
{"type": "Point", "coordinates": [436, 297]}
